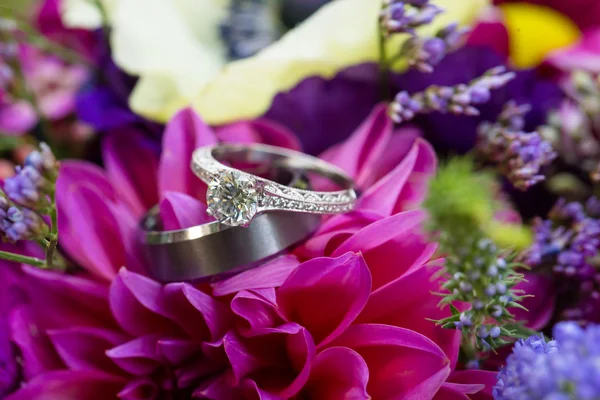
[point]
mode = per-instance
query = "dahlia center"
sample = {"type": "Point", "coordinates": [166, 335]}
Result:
{"type": "Point", "coordinates": [232, 198]}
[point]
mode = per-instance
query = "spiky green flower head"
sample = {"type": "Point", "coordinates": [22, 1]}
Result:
{"type": "Point", "coordinates": [462, 200]}
{"type": "Point", "coordinates": [459, 196]}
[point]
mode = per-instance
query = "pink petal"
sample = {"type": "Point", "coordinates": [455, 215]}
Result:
{"type": "Point", "coordinates": [214, 314]}
{"type": "Point", "coordinates": [472, 379]}
{"type": "Point", "coordinates": [491, 32]}
{"type": "Point", "coordinates": [258, 131]}
{"type": "Point", "coordinates": [35, 348]}
{"type": "Point", "coordinates": [17, 119]}
{"type": "Point", "coordinates": [334, 232]}
{"type": "Point", "coordinates": [404, 301]}
{"type": "Point", "coordinates": [449, 392]}
{"type": "Point", "coordinates": [75, 173]}
{"type": "Point", "coordinates": [52, 296]}
{"type": "Point", "coordinates": [399, 144]}
{"type": "Point", "coordinates": [70, 385]}
{"type": "Point", "coordinates": [402, 364]}
{"type": "Point", "coordinates": [184, 133]}
{"type": "Point", "coordinates": [111, 241]}
{"type": "Point", "coordinates": [140, 389]}
{"type": "Point", "coordinates": [343, 284]}
{"type": "Point", "coordinates": [415, 190]}
{"type": "Point", "coordinates": [271, 274]}
{"type": "Point", "coordinates": [383, 196]}
{"type": "Point", "coordinates": [257, 314]}
{"type": "Point", "coordinates": [279, 362]}
{"type": "Point", "coordinates": [358, 154]}
{"type": "Point", "coordinates": [136, 305]}
{"type": "Point", "coordinates": [84, 348]}
{"type": "Point", "coordinates": [380, 232]}
{"type": "Point", "coordinates": [57, 104]}
{"type": "Point", "coordinates": [178, 350]}
{"type": "Point", "coordinates": [180, 211]}
{"type": "Point", "coordinates": [131, 164]}
{"type": "Point", "coordinates": [220, 387]}
{"type": "Point", "coordinates": [138, 357]}
{"type": "Point", "coordinates": [584, 55]}
{"type": "Point", "coordinates": [540, 306]}
{"type": "Point", "coordinates": [338, 373]}
{"type": "Point", "coordinates": [144, 306]}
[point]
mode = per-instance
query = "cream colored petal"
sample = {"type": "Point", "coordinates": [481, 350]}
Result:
{"type": "Point", "coordinates": [85, 13]}
{"type": "Point", "coordinates": [341, 34]}
{"type": "Point", "coordinates": [178, 39]}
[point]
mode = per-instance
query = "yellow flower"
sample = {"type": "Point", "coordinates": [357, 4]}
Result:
{"type": "Point", "coordinates": [534, 31]}
{"type": "Point", "coordinates": [175, 49]}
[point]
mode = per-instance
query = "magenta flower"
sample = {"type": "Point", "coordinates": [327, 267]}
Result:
{"type": "Point", "coordinates": [343, 316]}
{"type": "Point", "coordinates": [53, 84]}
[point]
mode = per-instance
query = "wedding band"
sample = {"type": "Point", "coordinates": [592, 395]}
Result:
{"type": "Point", "coordinates": [214, 251]}
{"type": "Point", "coordinates": [235, 197]}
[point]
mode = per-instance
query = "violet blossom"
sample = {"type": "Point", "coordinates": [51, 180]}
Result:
{"type": "Point", "coordinates": [520, 156]}
{"type": "Point", "coordinates": [566, 245]}
{"type": "Point", "coordinates": [461, 99]}
{"type": "Point", "coordinates": [564, 368]}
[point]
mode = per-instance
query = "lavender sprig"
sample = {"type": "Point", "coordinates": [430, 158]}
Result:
{"type": "Point", "coordinates": [26, 197]}
{"type": "Point", "coordinates": [519, 155]}
{"type": "Point", "coordinates": [566, 247]}
{"type": "Point", "coordinates": [404, 16]}
{"type": "Point", "coordinates": [459, 99]}
{"type": "Point", "coordinates": [422, 53]}
{"type": "Point", "coordinates": [425, 53]}
{"type": "Point", "coordinates": [564, 368]}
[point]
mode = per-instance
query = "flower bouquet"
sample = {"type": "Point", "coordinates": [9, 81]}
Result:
{"type": "Point", "coordinates": [300, 199]}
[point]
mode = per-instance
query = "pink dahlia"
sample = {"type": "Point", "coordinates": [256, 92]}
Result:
{"type": "Point", "coordinates": [343, 316]}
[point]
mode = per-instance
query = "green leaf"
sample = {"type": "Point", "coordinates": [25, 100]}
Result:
{"type": "Point", "coordinates": [454, 310]}
{"type": "Point", "coordinates": [9, 143]}
{"type": "Point", "coordinates": [518, 330]}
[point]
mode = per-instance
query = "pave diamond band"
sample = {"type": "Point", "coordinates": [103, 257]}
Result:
{"type": "Point", "coordinates": [234, 197]}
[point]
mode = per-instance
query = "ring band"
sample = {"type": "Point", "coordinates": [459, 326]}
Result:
{"type": "Point", "coordinates": [234, 197]}
{"type": "Point", "coordinates": [214, 251]}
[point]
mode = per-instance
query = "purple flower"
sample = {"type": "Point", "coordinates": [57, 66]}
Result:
{"type": "Point", "coordinates": [566, 367]}
{"type": "Point", "coordinates": [33, 183]}
{"type": "Point", "coordinates": [565, 245]}
{"type": "Point", "coordinates": [519, 155]}
{"type": "Point", "coordinates": [460, 99]}
{"type": "Point", "coordinates": [20, 224]}
{"type": "Point", "coordinates": [401, 16]}
{"type": "Point", "coordinates": [424, 53]}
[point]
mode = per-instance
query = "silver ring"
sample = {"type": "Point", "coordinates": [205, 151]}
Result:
{"type": "Point", "coordinates": [234, 196]}
{"type": "Point", "coordinates": [214, 251]}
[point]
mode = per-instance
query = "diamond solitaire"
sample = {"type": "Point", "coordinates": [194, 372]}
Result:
{"type": "Point", "coordinates": [232, 198]}
{"type": "Point", "coordinates": [235, 196]}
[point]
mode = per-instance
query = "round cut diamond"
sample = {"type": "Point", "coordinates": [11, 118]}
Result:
{"type": "Point", "coordinates": [232, 198]}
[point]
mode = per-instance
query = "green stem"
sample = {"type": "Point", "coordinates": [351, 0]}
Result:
{"type": "Point", "coordinates": [36, 262]}
{"type": "Point", "coordinates": [53, 235]}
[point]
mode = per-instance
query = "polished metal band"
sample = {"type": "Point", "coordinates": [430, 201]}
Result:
{"type": "Point", "coordinates": [214, 251]}
{"type": "Point", "coordinates": [254, 195]}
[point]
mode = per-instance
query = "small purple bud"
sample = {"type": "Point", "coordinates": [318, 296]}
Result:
{"type": "Point", "coordinates": [493, 270]}
{"type": "Point", "coordinates": [497, 311]}
{"type": "Point", "coordinates": [477, 304]}
{"type": "Point", "coordinates": [465, 287]}
{"type": "Point", "coordinates": [482, 332]}
{"type": "Point", "coordinates": [495, 332]}
{"type": "Point", "coordinates": [465, 319]}
{"type": "Point", "coordinates": [490, 290]}
{"type": "Point", "coordinates": [501, 287]}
